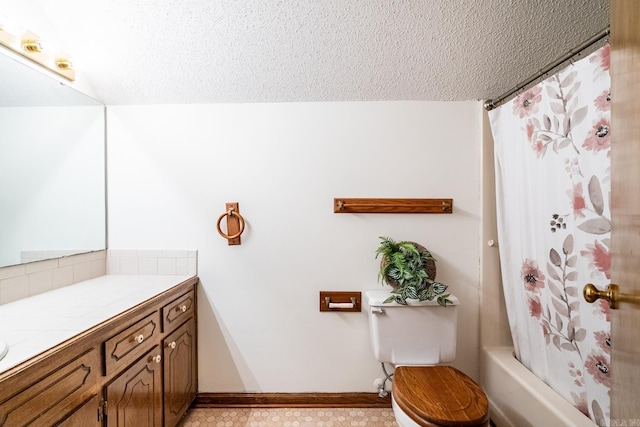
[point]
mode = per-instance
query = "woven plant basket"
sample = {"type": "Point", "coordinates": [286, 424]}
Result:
{"type": "Point", "coordinates": [429, 267]}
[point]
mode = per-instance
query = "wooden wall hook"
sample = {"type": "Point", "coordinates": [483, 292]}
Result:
{"type": "Point", "coordinates": [235, 224]}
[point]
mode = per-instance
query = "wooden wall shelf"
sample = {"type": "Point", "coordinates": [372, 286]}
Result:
{"type": "Point", "coordinates": [432, 206]}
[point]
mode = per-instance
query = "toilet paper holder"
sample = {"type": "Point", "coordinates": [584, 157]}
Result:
{"type": "Point", "coordinates": [340, 301]}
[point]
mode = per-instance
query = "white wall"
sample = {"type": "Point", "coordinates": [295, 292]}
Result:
{"type": "Point", "coordinates": [171, 169]}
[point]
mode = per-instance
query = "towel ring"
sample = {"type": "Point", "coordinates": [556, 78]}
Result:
{"type": "Point", "coordinates": [230, 212]}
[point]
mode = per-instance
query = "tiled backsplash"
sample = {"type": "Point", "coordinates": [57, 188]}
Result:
{"type": "Point", "coordinates": [152, 261]}
{"type": "Point", "coordinates": [24, 280]}
{"type": "Point", "coordinates": [31, 256]}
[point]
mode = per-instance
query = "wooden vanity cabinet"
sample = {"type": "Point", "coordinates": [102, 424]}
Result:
{"type": "Point", "coordinates": [136, 369]}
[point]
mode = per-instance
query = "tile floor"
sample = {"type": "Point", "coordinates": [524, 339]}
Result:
{"type": "Point", "coordinates": [288, 417]}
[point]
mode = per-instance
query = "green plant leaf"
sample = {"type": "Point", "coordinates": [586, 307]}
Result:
{"type": "Point", "coordinates": [443, 300]}
{"type": "Point", "coordinates": [396, 298]}
{"type": "Point", "coordinates": [394, 273]}
{"type": "Point", "coordinates": [426, 295]}
{"type": "Point", "coordinates": [409, 292]}
{"type": "Point", "coordinates": [438, 288]}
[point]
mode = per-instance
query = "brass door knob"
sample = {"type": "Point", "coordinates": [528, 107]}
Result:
{"type": "Point", "coordinates": [592, 294]}
{"type": "Point", "coordinates": [611, 294]}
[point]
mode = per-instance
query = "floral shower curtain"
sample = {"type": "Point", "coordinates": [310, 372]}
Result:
{"type": "Point", "coordinates": [552, 150]}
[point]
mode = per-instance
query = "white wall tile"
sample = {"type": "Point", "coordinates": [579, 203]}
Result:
{"type": "Point", "coordinates": [114, 253]}
{"type": "Point", "coordinates": [81, 272]}
{"type": "Point", "coordinates": [13, 271]}
{"type": "Point", "coordinates": [113, 265]}
{"type": "Point", "coordinates": [40, 282]}
{"type": "Point", "coordinates": [152, 261]}
{"type": "Point", "coordinates": [41, 276]}
{"type": "Point", "coordinates": [167, 266]}
{"type": "Point", "coordinates": [98, 267]}
{"type": "Point", "coordinates": [14, 289]}
{"type": "Point", "coordinates": [62, 276]}
{"type": "Point", "coordinates": [176, 253]}
{"type": "Point", "coordinates": [192, 266]}
{"type": "Point", "coordinates": [129, 265]}
{"type": "Point", "coordinates": [148, 265]}
{"type": "Point", "coordinates": [149, 253]}
{"type": "Point", "coordinates": [35, 267]}
{"type": "Point", "coordinates": [72, 260]}
{"type": "Point", "coordinates": [182, 266]}
{"type": "Point", "coordinates": [97, 255]}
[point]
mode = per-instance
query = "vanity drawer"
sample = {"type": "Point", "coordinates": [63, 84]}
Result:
{"type": "Point", "coordinates": [127, 346]}
{"type": "Point", "coordinates": [45, 393]}
{"type": "Point", "coordinates": [178, 310]}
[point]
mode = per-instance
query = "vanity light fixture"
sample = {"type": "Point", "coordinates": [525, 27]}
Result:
{"type": "Point", "coordinates": [29, 45]}
{"type": "Point", "coordinates": [32, 45]}
{"type": "Point", "coordinates": [64, 63]}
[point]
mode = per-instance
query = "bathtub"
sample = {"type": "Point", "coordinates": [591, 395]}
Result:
{"type": "Point", "coordinates": [517, 398]}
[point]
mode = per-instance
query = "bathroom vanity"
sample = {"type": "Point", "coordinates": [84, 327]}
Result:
{"type": "Point", "coordinates": [115, 350]}
{"type": "Point", "coordinates": [135, 366]}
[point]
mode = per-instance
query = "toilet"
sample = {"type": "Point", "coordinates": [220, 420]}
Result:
{"type": "Point", "coordinates": [416, 338]}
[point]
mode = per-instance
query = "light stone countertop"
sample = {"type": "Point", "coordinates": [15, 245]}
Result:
{"type": "Point", "coordinates": [32, 325]}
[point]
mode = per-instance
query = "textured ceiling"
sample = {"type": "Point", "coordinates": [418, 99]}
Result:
{"type": "Point", "coordinates": [205, 51]}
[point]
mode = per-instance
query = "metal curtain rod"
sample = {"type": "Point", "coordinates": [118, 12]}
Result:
{"type": "Point", "coordinates": [490, 104]}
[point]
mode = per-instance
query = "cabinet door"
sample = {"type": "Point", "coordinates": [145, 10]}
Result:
{"type": "Point", "coordinates": [88, 415]}
{"type": "Point", "coordinates": [134, 399]}
{"type": "Point", "coordinates": [180, 380]}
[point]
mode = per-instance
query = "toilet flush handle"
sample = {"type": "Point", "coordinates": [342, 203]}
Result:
{"type": "Point", "coordinates": [377, 310]}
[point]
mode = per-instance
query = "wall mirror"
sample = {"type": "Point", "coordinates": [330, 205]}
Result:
{"type": "Point", "coordinates": [52, 167]}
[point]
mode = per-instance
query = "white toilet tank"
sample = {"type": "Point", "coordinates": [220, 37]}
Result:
{"type": "Point", "coordinates": [420, 333]}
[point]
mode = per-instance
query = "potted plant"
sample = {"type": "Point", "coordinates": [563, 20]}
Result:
{"type": "Point", "coordinates": [409, 268]}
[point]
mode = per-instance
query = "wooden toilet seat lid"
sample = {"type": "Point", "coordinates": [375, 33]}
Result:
{"type": "Point", "coordinates": [440, 396]}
